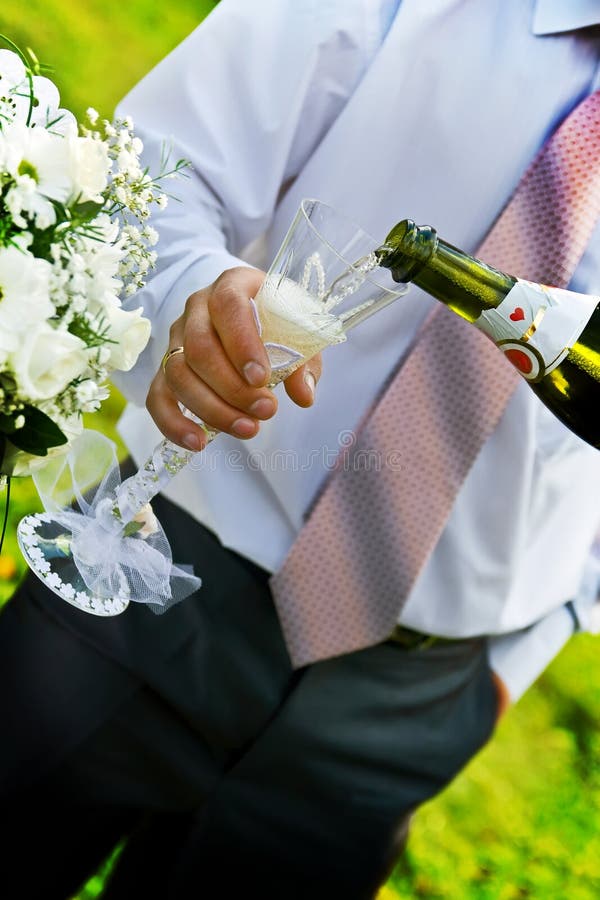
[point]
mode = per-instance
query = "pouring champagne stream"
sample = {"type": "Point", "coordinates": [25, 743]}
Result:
{"type": "Point", "coordinates": [100, 560]}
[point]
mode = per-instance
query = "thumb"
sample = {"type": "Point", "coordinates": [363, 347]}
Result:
{"type": "Point", "coordinates": [301, 384]}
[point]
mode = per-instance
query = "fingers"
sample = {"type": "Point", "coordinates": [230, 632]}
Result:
{"type": "Point", "coordinates": [300, 386]}
{"type": "Point", "coordinates": [222, 375]}
{"type": "Point", "coordinates": [209, 378]}
{"type": "Point", "coordinates": [238, 418]}
{"type": "Point", "coordinates": [206, 358]}
{"type": "Point", "coordinates": [164, 409]}
{"type": "Point", "coordinates": [232, 317]}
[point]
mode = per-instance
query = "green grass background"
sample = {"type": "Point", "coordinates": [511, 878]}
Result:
{"type": "Point", "coordinates": [523, 819]}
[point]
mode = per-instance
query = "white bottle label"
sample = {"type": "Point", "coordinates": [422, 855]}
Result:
{"type": "Point", "coordinates": [536, 326]}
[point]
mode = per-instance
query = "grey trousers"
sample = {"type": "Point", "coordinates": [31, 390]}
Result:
{"type": "Point", "coordinates": [227, 772]}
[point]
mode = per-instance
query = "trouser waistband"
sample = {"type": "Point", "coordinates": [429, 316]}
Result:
{"type": "Point", "coordinates": [417, 640]}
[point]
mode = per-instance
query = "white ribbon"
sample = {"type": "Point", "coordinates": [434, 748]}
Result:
{"type": "Point", "coordinates": [112, 563]}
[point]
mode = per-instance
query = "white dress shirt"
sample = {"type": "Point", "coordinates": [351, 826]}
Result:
{"type": "Point", "coordinates": [385, 110]}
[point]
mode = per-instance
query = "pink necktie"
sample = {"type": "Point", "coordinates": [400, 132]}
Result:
{"type": "Point", "coordinates": [354, 562]}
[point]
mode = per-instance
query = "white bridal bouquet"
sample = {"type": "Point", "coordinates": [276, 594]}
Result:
{"type": "Point", "coordinates": [74, 239]}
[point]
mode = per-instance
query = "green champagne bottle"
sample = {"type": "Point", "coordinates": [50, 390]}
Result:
{"type": "Point", "coordinates": [550, 335]}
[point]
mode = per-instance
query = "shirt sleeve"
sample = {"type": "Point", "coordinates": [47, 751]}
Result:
{"type": "Point", "coordinates": [586, 605]}
{"type": "Point", "coordinates": [520, 657]}
{"type": "Point", "coordinates": [246, 98]}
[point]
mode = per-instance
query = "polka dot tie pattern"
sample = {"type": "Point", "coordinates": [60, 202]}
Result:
{"type": "Point", "coordinates": [381, 512]}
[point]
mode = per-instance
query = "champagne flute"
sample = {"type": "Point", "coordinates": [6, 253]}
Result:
{"type": "Point", "coordinates": [319, 286]}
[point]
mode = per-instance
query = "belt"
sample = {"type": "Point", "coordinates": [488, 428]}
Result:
{"type": "Point", "coordinates": [416, 640]}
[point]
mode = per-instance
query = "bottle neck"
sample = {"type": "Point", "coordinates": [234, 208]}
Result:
{"type": "Point", "coordinates": [468, 286]}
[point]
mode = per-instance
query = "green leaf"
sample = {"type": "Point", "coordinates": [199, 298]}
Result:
{"type": "Point", "coordinates": [38, 433]}
{"type": "Point", "coordinates": [132, 528]}
{"type": "Point", "coordinates": [85, 212]}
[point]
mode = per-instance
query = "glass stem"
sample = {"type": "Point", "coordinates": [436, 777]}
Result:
{"type": "Point", "coordinates": [166, 461]}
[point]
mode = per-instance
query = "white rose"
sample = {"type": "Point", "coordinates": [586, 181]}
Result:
{"type": "Point", "coordinates": [131, 332]}
{"type": "Point", "coordinates": [46, 361]}
{"type": "Point", "coordinates": [24, 294]}
{"type": "Point", "coordinates": [90, 165]}
{"type": "Point", "coordinates": [146, 518]}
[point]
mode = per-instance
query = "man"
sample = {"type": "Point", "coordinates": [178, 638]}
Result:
{"type": "Point", "coordinates": [193, 733]}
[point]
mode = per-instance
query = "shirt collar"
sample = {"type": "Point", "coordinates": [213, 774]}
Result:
{"type": "Point", "coordinates": [553, 16]}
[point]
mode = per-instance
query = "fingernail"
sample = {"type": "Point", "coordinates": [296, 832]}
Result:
{"type": "Point", "coordinates": [310, 382]}
{"type": "Point", "coordinates": [193, 442]}
{"type": "Point", "coordinates": [263, 408]}
{"type": "Point", "coordinates": [255, 374]}
{"type": "Point", "coordinates": [244, 427]}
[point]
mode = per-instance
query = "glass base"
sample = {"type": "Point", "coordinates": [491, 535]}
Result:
{"type": "Point", "coordinates": [46, 547]}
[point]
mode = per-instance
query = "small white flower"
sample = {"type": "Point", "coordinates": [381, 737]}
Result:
{"type": "Point", "coordinates": [92, 115]}
{"type": "Point", "coordinates": [78, 283]}
{"type": "Point", "coordinates": [24, 202]}
{"type": "Point", "coordinates": [89, 395]}
{"type": "Point", "coordinates": [132, 232]}
{"type": "Point", "coordinates": [151, 235]}
{"type": "Point", "coordinates": [128, 163]}
{"type": "Point", "coordinates": [76, 262]}
{"type": "Point", "coordinates": [101, 269]}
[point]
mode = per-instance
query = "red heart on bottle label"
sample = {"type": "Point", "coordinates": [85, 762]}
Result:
{"type": "Point", "coordinates": [517, 314]}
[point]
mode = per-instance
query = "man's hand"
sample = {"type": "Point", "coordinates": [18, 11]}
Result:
{"type": "Point", "coordinates": [504, 699]}
{"type": "Point", "coordinates": [222, 374]}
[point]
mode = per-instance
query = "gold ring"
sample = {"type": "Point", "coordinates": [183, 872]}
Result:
{"type": "Point", "coordinates": [167, 357]}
